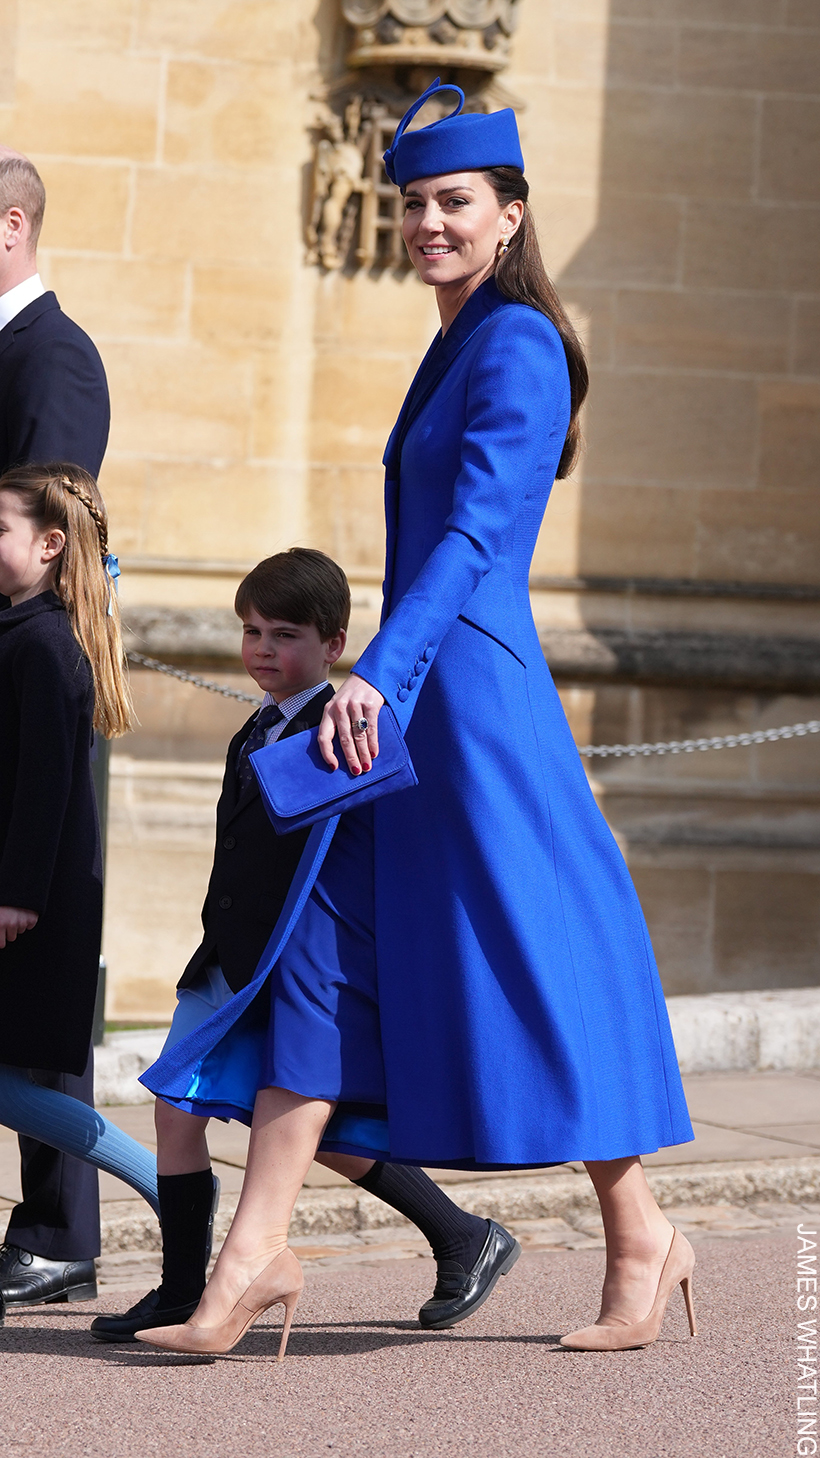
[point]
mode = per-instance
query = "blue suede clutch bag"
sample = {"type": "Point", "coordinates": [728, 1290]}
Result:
{"type": "Point", "coordinates": [299, 789]}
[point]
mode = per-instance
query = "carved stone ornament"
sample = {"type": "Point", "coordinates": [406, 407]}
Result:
{"type": "Point", "coordinates": [473, 34]}
{"type": "Point", "coordinates": [396, 49]}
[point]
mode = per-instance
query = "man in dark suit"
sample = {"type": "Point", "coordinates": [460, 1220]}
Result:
{"type": "Point", "coordinates": [53, 406]}
{"type": "Point", "coordinates": [53, 392]}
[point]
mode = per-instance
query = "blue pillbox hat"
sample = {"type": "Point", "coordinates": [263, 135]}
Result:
{"type": "Point", "coordinates": [455, 143]}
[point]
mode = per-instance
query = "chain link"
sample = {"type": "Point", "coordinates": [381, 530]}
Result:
{"type": "Point", "coordinates": [588, 751]}
{"type": "Point", "coordinates": [689, 746]}
{"type": "Point", "coordinates": [203, 683]}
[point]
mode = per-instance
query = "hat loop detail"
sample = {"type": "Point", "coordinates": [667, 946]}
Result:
{"type": "Point", "coordinates": [432, 90]}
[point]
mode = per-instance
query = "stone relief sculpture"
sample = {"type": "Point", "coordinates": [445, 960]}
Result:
{"type": "Point", "coordinates": [396, 49]}
{"type": "Point", "coordinates": [337, 175]}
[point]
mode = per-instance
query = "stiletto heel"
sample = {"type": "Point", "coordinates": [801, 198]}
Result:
{"type": "Point", "coordinates": [677, 1270]}
{"type": "Point", "coordinates": [686, 1288]}
{"type": "Point", "coordinates": [289, 1303]}
{"type": "Point", "coordinates": [279, 1283]}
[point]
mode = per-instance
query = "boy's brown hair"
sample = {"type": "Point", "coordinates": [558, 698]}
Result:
{"type": "Point", "coordinates": [298, 586]}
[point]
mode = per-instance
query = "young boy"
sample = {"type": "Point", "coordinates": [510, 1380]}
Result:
{"type": "Point", "coordinates": [294, 609]}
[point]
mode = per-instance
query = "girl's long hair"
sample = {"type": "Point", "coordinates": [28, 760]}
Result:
{"type": "Point", "coordinates": [64, 497]}
{"type": "Point", "coordinates": [522, 277]}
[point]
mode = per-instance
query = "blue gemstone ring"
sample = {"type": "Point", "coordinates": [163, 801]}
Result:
{"type": "Point", "coordinates": [359, 726]}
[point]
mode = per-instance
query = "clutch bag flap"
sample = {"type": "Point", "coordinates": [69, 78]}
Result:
{"type": "Point", "coordinates": [298, 788]}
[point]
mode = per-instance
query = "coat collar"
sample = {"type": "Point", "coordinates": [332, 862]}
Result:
{"type": "Point", "coordinates": [32, 311]}
{"type": "Point", "coordinates": [33, 607]}
{"type": "Point", "coordinates": [438, 359]}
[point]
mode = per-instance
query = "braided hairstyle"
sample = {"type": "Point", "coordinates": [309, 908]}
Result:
{"type": "Point", "coordinates": [97, 513]}
{"type": "Point", "coordinates": [63, 497]}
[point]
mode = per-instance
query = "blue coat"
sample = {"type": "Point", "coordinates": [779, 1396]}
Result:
{"type": "Point", "coordinates": [522, 1015]}
{"type": "Point", "coordinates": [522, 1018]}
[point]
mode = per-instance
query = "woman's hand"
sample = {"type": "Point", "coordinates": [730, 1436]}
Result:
{"type": "Point", "coordinates": [14, 920]}
{"type": "Point", "coordinates": [356, 699]}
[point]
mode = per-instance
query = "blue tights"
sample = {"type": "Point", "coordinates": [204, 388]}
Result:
{"type": "Point", "coordinates": [74, 1128]}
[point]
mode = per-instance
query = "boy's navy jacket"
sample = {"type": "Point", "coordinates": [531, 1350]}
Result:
{"type": "Point", "coordinates": [49, 839]}
{"type": "Point", "coordinates": [53, 393]}
{"type": "Point", "coordinates": [253, 867]}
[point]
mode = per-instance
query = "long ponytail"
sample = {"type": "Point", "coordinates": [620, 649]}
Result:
{"type": "Point", "coordinates": [65, 497]}
{"type": "Point", "coordinates": [522, 277]}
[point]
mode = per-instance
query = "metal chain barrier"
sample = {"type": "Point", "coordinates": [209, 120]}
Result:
{"type": "Point", "coordinates": [203, 683]}
{"type": "Point", "coordinates": [688, 746]}
{"type": "Point", "coordinates": [589, 751]}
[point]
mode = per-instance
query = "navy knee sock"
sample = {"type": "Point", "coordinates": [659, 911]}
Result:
{"type": "Point", "coordinates": [185, 1210]}
{"type": "Point", "coordinates": [453, 1234]}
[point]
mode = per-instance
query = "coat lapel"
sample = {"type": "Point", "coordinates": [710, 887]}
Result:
{"type": "Point", "coordinates": [440, 356]}
{"type": "Point", "coordinates": [27, 316]}
{"type": "Point", "coordinates": [392, 451]}
{"type": "Point", "coordinates": [437, 361]}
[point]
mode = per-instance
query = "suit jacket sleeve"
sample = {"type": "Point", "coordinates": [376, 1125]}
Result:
{"type": "Point", "coordinates": [53, 695]}
{"type": "Point", "coordinates": [516, 394]}
{"type": "Point", "coordinates": [58, 408]}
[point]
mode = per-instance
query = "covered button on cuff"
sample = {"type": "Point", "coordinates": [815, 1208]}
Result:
{"type": "Point", "coordinates": [403, 695]}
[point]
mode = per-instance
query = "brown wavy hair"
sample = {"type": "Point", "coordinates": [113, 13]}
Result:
{"type": "Point", "coordinates": [63, 497]}
{"type": "Point", "coordinates": [522, 277]}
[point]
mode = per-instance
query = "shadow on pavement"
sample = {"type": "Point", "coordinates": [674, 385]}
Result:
{"type": "Point", "coordinates": [315, 1339]}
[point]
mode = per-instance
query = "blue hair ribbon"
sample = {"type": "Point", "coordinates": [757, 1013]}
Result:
{"type": "Point", "coordinates": [112, 570]}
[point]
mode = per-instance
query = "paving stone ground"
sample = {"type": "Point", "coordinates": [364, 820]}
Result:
{"type": "Point", "coordinates": [361, 1378]}
{"type": "Point", "coordinates": [125, 1270]}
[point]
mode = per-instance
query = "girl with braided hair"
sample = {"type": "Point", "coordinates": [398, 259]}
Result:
{"type": "Point", "coordinates": [62, 677]}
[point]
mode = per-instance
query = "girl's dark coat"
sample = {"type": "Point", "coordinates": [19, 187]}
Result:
{"type": "Point", "coordinates": [49, 839]}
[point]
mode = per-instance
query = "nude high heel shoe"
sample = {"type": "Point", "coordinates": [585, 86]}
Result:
{"type": "Point", "coordinates": [280, 1282]}
{"type": "Point", "coordinates": [677, 1271]}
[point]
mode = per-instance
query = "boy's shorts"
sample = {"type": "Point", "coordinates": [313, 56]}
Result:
{"type": "Point", "coordinates": [196, 1003]}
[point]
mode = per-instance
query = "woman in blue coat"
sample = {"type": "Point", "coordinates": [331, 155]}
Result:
{"type": "Point", "coordinates": [473, 970]}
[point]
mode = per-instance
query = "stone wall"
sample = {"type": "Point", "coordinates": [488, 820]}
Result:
{"type": "Point", "coordinates": [696, 513]}
{"type": "Point", "coordinates": [673, 149]}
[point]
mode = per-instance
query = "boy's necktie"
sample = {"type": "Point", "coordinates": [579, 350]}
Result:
{"type": "Point", "coordinates": [265, 720]}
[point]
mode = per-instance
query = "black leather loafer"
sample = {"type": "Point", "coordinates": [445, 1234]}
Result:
{"type": "Point", "coordinates": [31, 1280]}
{"type": "Point", "coordinates": [145, 1314]}
{"type": "Point", "coordinates": [458, 1292]}
{"type": "Point", "coordinates": [141, 1317]}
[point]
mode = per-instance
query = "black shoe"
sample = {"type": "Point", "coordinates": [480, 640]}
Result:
{"type": "Point", "coordinates": [458, 1292]}
{"type": "Point", "coordinates": [141, 1317]}
{"type": "Point", "coordinates": [31, 1280]}
{"type": "Point", "coordinates": [146, 1314]}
